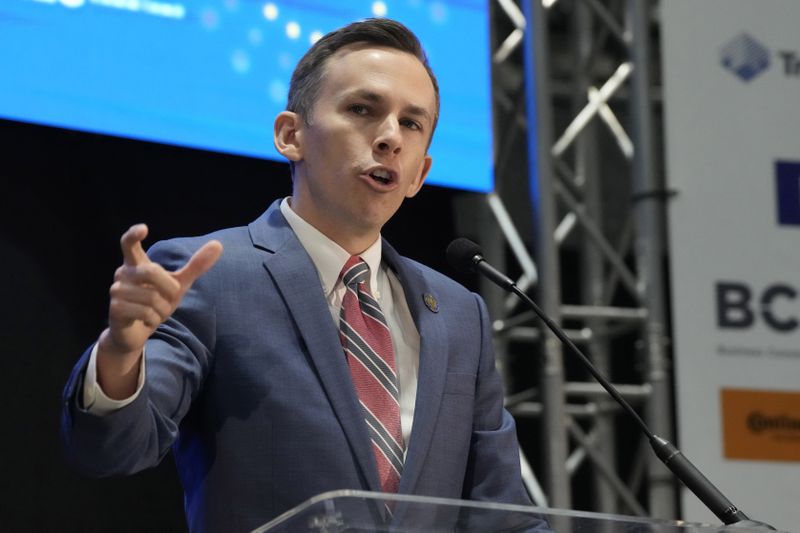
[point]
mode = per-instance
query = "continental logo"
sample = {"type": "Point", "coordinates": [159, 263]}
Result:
{"type": "Point", "coordinates": [761, 425]}
{"type": "Point", "coordinates": [758, 422]}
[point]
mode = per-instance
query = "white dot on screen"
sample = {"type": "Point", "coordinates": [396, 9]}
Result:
{"type": "Point", "coordinates": [270, 11]}
{"type": "Point", "coordinates": [379, 9]}
{"type": "Point", "coordinates": [178, 11]}
{"type": "Point", "coordinates": [315, 36]}
{"type": "Point", "coordinates": [293, 30]}
{"type": "Point", "coordinates": [72, 3]}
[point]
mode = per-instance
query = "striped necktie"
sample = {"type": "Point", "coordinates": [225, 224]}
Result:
{"type": "Point", "coordinates": [370, 356]}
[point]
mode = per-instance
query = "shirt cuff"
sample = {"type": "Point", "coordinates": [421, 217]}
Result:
{"type": "Point", "coordinates": [95, 400]}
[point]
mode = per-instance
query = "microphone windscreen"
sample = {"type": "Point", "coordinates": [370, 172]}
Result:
{"type": "Point", "coordinates": [461, 252]}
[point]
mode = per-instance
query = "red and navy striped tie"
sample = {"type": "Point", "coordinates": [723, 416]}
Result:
{"type": "Point", "coordinates": [370, 356]}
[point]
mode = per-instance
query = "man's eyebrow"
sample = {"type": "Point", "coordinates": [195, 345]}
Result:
{"type": "Point", "coordinates": [371, 96]}
{"type": "Point", "coordinates": [367, 95]}
{"type": "Point", "coordinates": [418, 111]}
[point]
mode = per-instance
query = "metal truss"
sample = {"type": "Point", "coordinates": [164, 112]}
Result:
{"type": "Point", "coordinates": [596, 220]}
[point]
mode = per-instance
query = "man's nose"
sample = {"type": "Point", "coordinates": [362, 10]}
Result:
{"type": "Point", "coordinates": [389, 139]}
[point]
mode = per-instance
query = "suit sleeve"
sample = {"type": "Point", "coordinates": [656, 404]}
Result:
{"type": "Point", "coordinates": [493, 469]}
{"type": "Point", "coordinates": [140, 434]}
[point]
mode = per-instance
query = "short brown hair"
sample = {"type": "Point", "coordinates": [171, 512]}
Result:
{"type": "Point", "coordinates": [309, 72]}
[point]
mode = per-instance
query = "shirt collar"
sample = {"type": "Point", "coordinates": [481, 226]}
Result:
{"type": "Point", "coordinates": [327, 256]}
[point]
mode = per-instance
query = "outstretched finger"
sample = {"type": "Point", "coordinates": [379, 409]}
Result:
{"type": "Point", "coordinates": [131, 243]}
{"type": "Point", "coordinates": [202, 260]}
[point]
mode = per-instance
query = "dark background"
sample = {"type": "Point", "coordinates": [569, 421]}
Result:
{"type": "Point", "coordinates": [65, 199]}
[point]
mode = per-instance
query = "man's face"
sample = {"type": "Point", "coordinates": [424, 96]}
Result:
{"type": "Point", "coordinates": [364, 149]}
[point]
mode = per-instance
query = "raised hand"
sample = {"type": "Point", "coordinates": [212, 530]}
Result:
{"type": "Point", "coordinates": [143, 296]}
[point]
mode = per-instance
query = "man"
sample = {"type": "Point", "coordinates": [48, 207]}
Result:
{"type": "Point", "coordinates": [236, 360]}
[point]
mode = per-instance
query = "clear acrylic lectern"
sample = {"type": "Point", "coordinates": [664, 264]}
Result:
{"type": "Point", "coordinates": [358, 511]}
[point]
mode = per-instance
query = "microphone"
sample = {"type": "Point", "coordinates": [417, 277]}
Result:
{"type": "Point", "coordinates": [466, 256]}
{"type": "Point", "coordinates": [463, 255]}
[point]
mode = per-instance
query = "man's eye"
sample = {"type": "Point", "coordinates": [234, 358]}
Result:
{"type": "Point", "coordinates": [410, 124]}
{"type": "Point", "coordinates": [359, 109]}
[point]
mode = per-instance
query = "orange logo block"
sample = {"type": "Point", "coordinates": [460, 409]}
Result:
{"type": "Point", "coordinates": [761, 425]}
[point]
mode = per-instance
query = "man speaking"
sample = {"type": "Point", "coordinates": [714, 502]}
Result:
{"type": "Point", "coordinates": [308, 356]}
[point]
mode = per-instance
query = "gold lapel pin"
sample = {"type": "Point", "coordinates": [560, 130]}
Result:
{"type": "Point", "coordinates": [431, 302]}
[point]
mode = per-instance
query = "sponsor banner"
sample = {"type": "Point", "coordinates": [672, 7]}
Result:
{"type": "Point", "coordinates": [732, 134]}
{"type": "Point", "coordinates": [761, 425]}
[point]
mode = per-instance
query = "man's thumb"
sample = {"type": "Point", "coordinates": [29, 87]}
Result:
{"type": "Point", "coordinates": [202, 260]}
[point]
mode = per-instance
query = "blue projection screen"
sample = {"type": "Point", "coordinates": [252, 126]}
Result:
{"type": "Point", "coordinates": [212, 74]}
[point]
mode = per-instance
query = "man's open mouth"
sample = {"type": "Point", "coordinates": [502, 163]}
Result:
{"type": "Point", "coordinates": [383, 176]}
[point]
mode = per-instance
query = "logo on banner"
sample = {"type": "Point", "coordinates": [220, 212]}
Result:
{"type": "Point", "coordinates": [761, 425]}
{"type": "Point", "coordinates": [740, 306]}
{"type": "Point", "coordinates": [745, 57]}
{"type": "Point", "coordinates": [787, 189]}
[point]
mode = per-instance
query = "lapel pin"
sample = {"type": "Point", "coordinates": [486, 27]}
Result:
{"type": "Point", "coordinates": [431, 302]}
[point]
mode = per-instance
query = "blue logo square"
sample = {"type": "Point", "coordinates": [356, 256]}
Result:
{"type": "Point", "coordinates": [745, 57]}
{"type": "Point", "coordinates": [787, 181]}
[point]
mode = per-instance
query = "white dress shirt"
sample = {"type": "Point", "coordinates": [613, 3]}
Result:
{"type": "Point", "coordinates": [328, 258]}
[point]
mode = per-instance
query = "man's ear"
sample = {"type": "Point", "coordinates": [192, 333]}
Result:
{"type": "Point", "coordinates": [288, 135]}
{"type": "Point", "coordinates": [416, 185]}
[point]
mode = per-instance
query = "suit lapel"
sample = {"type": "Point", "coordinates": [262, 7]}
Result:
{"type": "Point", "coordinates": [432, 365]}
{"type": "Point", "coordinates": [298, 282]}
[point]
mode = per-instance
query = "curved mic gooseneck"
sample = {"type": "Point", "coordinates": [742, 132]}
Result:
{"type": "Point", "coordinates": [464, 255]}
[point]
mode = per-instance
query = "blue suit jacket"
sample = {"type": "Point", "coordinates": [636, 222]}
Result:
{"type": "Point", "coordinates": [248, 384]}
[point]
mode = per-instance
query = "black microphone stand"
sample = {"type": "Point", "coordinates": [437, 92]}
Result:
{"type": "Point", "coordinates": [667, 452]}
